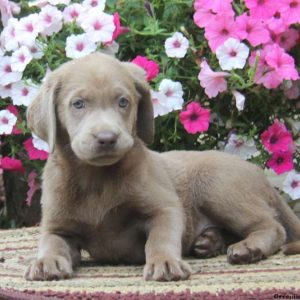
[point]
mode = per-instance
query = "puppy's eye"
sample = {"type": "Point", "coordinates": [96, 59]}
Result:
{"type": "Point", "coordinates": [123, 102]}
{"type": "Point", "coordinates": [78, 104]}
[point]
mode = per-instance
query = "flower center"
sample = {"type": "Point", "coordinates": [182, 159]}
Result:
{"type": "Point", "coordinates": [273, 139]}
{"type": "Point", "coordinates": [260, 2]}
{"type": "Point", "coordinates": [232, 53]}
{"type": "Point", "coordinates": [239, 143]}
{"type": "Point", "coordinates": [294, 4]}
{"type": "Point", "coordinates": [25, 92]}
{"type": "Point", "coordinates": [74, 14]}
{"type": "Point", "coordinates": [48, 19]}
{"type": "Point", "coordinates": [194, 117]}
{"type": "Point", "coordinates": [94, 3]}
{"type": "Point", "coordinates": [97, 25]}
{"type": "Point", "coordinates": [29, 27]}
{"type": "Point", "coordinates": [79, 46]}
{"type": "Point", "coordinates": [248, 28]}
{"type": "Point", "coordinates": [280, 160]}
{"type": "Point", "coordinates": [22, 58]}
{"type": "Point", "coordinates": [277, 15]}
{"type": "Point", "coordinates": [4, 120]}
{"type": "Point", "coordinates": [169, 93]}
{"type": "Point", "coordinates": [224, 31]}
{"type": "Point", "coordinates": [155, 100]}
{"type": "Point", "coordinates": [7, 69]}
{"type": "Point", "coordinates": [176, 44]}
{"type": "Point", "coordinates": [294, 184]}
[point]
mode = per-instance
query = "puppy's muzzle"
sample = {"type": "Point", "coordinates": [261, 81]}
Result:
{"type": "Point", "coordinates": [106, 140]}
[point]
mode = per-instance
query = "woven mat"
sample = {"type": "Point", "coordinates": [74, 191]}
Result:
{"type": "Point", "coordinates": [212, 278]}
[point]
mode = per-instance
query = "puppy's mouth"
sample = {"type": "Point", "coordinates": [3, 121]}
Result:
{"type": "Point", "coordinates": [103, 160]}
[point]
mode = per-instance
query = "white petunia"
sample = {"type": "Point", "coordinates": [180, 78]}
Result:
{"type": "Point", "coordinates": [159, 101]}
{"type": "Point", "coordinates": [232, 54]}
{"type": "Point", "coordinates": [23, 93]}
{"type": "Point", "coordinates": [20, 59]}
{"type": "Point", "coordinates": [239, 100]}
{"type": "Point", "coordinates": [242, 146]}
{"type": "Point", "coordinates": [173, 91]}
{"type": "Point", "coordinates": [51, 20]}
{"type": "Point", "coordinates": [79, 46]}
{"type": "Point", "coordinates": [99, 26]}
{"type": "Point", "coordinates": [176, 45]}
{"type": "Point", "coordinates": [8, 35]}
{"type": "Point", "coordinates": [7, 75]}
{"type": "Point", "coordinates": [56, 2]}
{"type": "Point", "coordinates": [5, 91]}
{"type": "Point", "coordinates": [110, 48]}
{"type": "Point", "coordinates": [73, 12]}
{"type": "Point", "coordinates": [275, 179]}
{"type": "Point", "coordinates": [99, 4]}
{"type": "Point", "coordinates": [36, 50]}
{"type": "Point", "coordinates": [291, 185]}
{"type": "Point", "coordinates": [28, 29]}
{"type": "Point", "coordinates": [39, 143]}
{"type": "Point", "coordinates": [7, 121]}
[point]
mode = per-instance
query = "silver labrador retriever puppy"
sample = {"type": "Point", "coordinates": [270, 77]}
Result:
{"type": "Point", "coordinates": [105, 192]}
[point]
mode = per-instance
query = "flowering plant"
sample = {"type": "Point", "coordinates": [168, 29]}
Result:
{"type": "Point", "coordinates": [223, 74]}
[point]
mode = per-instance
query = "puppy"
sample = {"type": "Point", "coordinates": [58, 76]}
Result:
{"type": "Point", "coordinates": [105, 192]}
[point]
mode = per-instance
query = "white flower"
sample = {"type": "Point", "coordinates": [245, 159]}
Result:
{"type": "Point", "coordinates": [38, 3]}
{"type": "Point", "coordinates": [28, 29]}
{"type": "Point", "coordinates": [39, 143]}
{"type": "Point", "coordinates": [173, 91]}
{"type": "Point", "coordinates": [23, 93]}
{"type": "Point", "coordinates": [5, 91]}
{"type": "Point", "coordinates": [7, 121]}
{"type": "Point", "coordinates": [242, 146]}
{"type": "Point", "coordinates": [36, 50]}
{"type": "Point", "coordinates": [56, 2]}
{"type": "Point", "coordinates": [8, 35]}
{"type": "Point", "coordinates": [79, 46]}
{"type": "Point", "coordinates": [232, 54]}
{"type": "Point", "coordinates": [275, 179]}
{"type": "Point", "coordinates": [73, 12]}
{"type": "Point", "coordinates": [100, 4]}
{"type": "Point", "coordinates": [20, 59]}
{"type": "Point", "coordinates": [239, 100]}
{"type": "Point", "coordinates": [99, 26]}
{"type": "Point", "coordinates": [110, 48]}
{"type": "Point", "coordinates": [159, 101]}
{"type": "Point", "coordinates": [291, 185]}
{"type": "Point", "coordinates": [7, 75]}
{"type": "Point", "coordinates": [176, 45]}
{"type": "Point", "coordinates": [51, 20]}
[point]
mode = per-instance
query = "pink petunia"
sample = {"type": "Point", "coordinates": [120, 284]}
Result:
{"type": "Point", "coordinates": [221, 28]}
{"type": "Point", "coordinates": [281, 162]}
{"type": "Point", "coordinates": [212, 82]}
{"type": "Point", "coordinates": [253, 30]}
{"type": "Point", "coordinates": [287, 39]}
{"type": "Point", "coordinates": [119, 28]}
{"type": "Point", "coordinates": [13, 109]}
{"type": "Point", "coordinates": [34, 153]}
{"type": "Point", "coordinates": [282, 63]}
{"type": "Point", "coordinates": [277, 138]}
{"type": "Point", "coordinates": [150, 66]}
{"type": "Point", "coordinates": [195, 118]}
{"type": "Point", "coordinates": [33, 186]}
{"type": "Point", "coordinates": [203, 16]}
{"type": "Point", "coordinates": [291, 11]}
{"type": "Point", "coordinates": [261, 9]}
{"type": "Point", "coordinates": [11, 164]}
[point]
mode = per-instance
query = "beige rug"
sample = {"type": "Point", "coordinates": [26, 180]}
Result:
{"type": "Point", "coordinates": [274, 278]}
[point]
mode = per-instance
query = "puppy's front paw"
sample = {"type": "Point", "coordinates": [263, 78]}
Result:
{"type": "Point", "coordinates": [167, 269]}
{"type": "Point", "coordinates": [49, 268]}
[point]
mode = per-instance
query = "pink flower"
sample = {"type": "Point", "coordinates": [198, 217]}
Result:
{"type": "Point", "coordinates": [282, 63]}
{"type": "Point", "coordinates": [219, 30]}
{"type": "Point", "coordinates": [291, 11]}
{"type": "Point", "coordinates": [150, 66]}
{"type": "Point", "coordinates": [33, 186]}
{"type": "Point", "coordinates": [261, 9]}
{"type": "Point", "coordinates": [293, 92]}
{"type": "Point", "coordinates": [34, 153]}
{"type": "Point", "coordinates": [251, 29]}
{"type": "Point", "coordinates": [277, 138]}
{"type": "Point", "coordinates": [203, 16]}
{"type": "Point", "coordinates": [119, 29]}
{"type": "Point", "coordinates": [212, 82]}
{"type": "Point", "coordinates": [13, 109]}
{"type": "Point", "coordinates": [281, 162]}
{"type": "Point", "coordinates": [195, 118]}
{"type": "Point", "coordinates": [11, 164]}
{"type": "Point", "coordinates": [277, 23]}
{"type": "Point", "coordinates": [287, 39]}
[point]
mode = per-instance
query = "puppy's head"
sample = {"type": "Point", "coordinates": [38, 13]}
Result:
{"type": "Point", "coordinates": [102, 105]}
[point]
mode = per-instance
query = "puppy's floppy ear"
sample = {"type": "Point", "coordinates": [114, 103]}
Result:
{"type": "Point", "coordinates": [145, 116]}
{"type": "Point", "coordinates": [41, 115]}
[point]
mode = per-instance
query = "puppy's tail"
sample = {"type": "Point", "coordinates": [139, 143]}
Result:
{"type": "Point", "coordinates": [291, 224]}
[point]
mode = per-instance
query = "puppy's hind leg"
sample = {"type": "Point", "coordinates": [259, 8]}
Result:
{"type": "Point", "coordinates": [264, 238]}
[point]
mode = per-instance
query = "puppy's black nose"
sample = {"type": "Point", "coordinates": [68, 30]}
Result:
{"type": "Point", "coordinates": [107, 139]}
